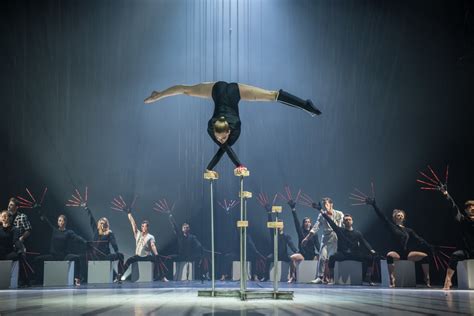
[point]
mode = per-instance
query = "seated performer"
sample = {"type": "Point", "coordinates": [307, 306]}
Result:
{"type": "Point", "coordinates": [103, 239]}
{"type": "Point", "coordinates": [59, 250]}
{"type": "Point", "coordinates": [252, 256]}
{"type": "Point", "coordinates": [189, 247]}
{"type": "Point", "coordinates": [224, 126]}
{"type": "Point", "coordinates": [284, 241]}
{"type": "Point", "coordinates": [9, 238]}
{"type": "Point", "coordinates": [350, 246]}
{"type": "Point", "coordinates": [464, 251]}
{"type": "Point", "coordinates": [410, 245]}
{"type": "Point", "coordinates": [310, 250]}
{"type": "Point", "coordinates": [329, 238]}
{"type": "Point", "coordinates": [145, 248]}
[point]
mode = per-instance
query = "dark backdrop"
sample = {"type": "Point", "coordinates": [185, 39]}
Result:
{"type": "Point", "coordinates": [391, 77]}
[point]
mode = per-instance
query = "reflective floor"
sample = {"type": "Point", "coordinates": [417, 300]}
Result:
{"type": "Point", "coordinates": [180, 298]}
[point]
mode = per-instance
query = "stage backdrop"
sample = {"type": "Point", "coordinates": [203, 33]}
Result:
{"type": "Point", "coordinates": [391, 78]}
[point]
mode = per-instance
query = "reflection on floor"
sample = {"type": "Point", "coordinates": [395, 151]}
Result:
{"type": "Point", "coordinates": [180, 298]}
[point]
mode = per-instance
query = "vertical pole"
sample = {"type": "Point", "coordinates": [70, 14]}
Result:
{"type": "Point", "coordinates": [242, 246]}
{"type": "Point", "coordinates": [213, 281]}
{"type": "Point", "coordinates": [275, 257]}
{"type": "Point", "coordinates": [246, 272]}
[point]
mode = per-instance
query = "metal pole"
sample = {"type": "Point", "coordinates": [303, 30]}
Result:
{"type": "Point", "coordinates": [242, 256]}
{"type": "Point", "coordinates": [275, 257]}
{"type": "Point", "coordinates": [213, 281]}
{"type": "Point", "coordinates": [245, 273]}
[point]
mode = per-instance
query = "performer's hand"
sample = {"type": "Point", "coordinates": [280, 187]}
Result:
{"type": "Point", "coordinates": [155, 96]}
{"type": "Point", "coordinates": [240, 169]}
{"type": "Point", "coordinates": [213, 172]}
{"type": "Point", "coordinates": [370, 201]}
{"type": "Point", "coordinates": [317, 206]}
{"type": "Point", "coordinates": [292, 204]}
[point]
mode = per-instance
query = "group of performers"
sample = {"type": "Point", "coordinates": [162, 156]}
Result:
{"type": "Point", "coordinates": [339, 240]}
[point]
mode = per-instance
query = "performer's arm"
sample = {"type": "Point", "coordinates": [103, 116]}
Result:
{"type": "Point", "coordinates": [173, 224]}
{"type": "Point", "coordinates": [134, 225]}
{"type": "Point", "coordinates": [270, 219]}
{"type": "Point", "coordinates": [290, 244]}
{"type": "Point", "coordinates": [296, 220]}
{"type": "Point", "coordinates": [388, 223]}
{"type": "Point", "coordinates": [47, 221]}
{"type": "Point", "coordinates": [331, 223]}
{"type": "Point", "coordinates": [153, 247]}
{"type": "Point", "coordinates": [201, 90]}
{"type": "Point", "coordinates": [92, 222]}
{"type": "Point", "coordinates": [366, 244]}
{"type": "Point", "coordinates": [113, 242]}
{"type": "Point", "coordinates": [458, 215]}
{"type": "Point", "coordinates": [26, 226]}
{"type": "Point", "coordinates": [421, 240]}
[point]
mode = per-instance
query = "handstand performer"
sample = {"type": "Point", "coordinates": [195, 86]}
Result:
{"type": "Point", "coordinates": [224, 126]}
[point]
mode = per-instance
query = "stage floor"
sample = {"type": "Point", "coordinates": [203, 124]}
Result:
{"type": "Point", "coordinates": [180, 298]}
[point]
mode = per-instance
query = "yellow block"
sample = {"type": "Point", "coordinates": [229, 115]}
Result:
{"type": "Point", "coordinates": [246, 194]}
{"type": "Point", "coordinates": [276, 209]}
{"type": "Point", "coordinates": [241, 172]}
{"type": "Point", "coordinates": [275, 225]}
{"type": "Point", "coordinates": [211, 175]}
{"type": "Point", "coordinates": [242, 223]}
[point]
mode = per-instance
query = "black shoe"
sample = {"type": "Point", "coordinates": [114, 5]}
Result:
{"type": "Point", "coordinates": [292, 100]}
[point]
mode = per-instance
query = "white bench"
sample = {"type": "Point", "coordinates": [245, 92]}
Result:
{"type": "Point", "coordinates": [306, 271]}
{"type": "Point", "coordinates": [58, 273]}
{"type": "Point", "coordinates": [465, 270]}
{"type": "Point", "coordinates": [142, 271]}
{"type": "Point", "coordinates": [404, 273]}
{"type": "Point", "coordinates": [183, 271]}
{"type": "Point", "coordinates": [348, 272]}
{"type": "Point", "coordinates": [9, 274]}
{"type": "Point", "coordinates": [100, 272]}
{"type": "Point", "coordinates": [283, 270]}
{"type": "Point", "coordinates": [236, 270]}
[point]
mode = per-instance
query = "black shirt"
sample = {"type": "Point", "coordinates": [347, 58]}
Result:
{"type": "Point", "coordinates": [102, 243]}
{"type": "Point", "coordinates": [407, 239]}
{"type": "Point", "coordinates": [348, 241]}
{"type": "Point", "coordinates": [61, 240]}
{"type": "Point", "coordinates": [189, 246]}
{"type": "Point", "coordinates": [311, 248]}
{"type": "Point", "coordinates": [8, 237]}
{"type": "Point", "coordinates": [284, 241]}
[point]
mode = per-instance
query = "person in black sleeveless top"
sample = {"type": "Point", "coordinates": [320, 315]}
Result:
{"type": "Point", "coordinates": [224, 126]}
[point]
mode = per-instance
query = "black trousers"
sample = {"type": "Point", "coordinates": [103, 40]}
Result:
{"type": "Point", "coordinates": [79, 264]}
{"type": "Point", "coordinates": [343, 256]}
{"type": "Point", "coordinates": [459, 255]}
{"type": "Point", "coordinates": [157, 270]}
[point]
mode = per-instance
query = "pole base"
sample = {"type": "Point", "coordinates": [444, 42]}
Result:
{"type": "Point", "coordinates": [248, 294]}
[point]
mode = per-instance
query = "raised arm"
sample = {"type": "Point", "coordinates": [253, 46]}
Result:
{"type": "Point", "coordinates": [134, 225]}
{"type": "Point", "coordinates": [366, 244]}
{"type": "Point", "coordinates": [92, 221]}
{"type": "Point", "coordinates": [331, 223]}
{"type": "Point", "coordinates": [173, 224]}
{"type": "Point", "coordinates": [388, 223]}
{"type": "Point", "coordinates": [201, 90]}
{"type": "Point", "coordinates": [296, 220]}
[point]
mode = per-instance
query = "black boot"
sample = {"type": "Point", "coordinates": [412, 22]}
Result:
{"type": "Point", "coordinates": [291, 100]}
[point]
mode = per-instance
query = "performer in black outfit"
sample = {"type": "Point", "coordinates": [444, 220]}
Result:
{"type": "Point", "coordinates": [252, 256]}
{"type": "Point", "coordinates": [224, 126]}
{"type": "Point", "coordinates": [189, 247]}
{"type": "Point", "coordinates": [284, 241]}
{"type": "Point", "coordinates": [102, 240]}
{"type": "Point", "coordinates": [310, 249]}
{"type": "Point", "coordinates": [351, 245]}
{"type": "Point", "coordinates": [61, 239]}
{"type": "Point", "coordinates": [465, 250]}
{"type": "Point", "coordinates": [410, 245]}
{"type": "Point", "coordinates": [9, 238]}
